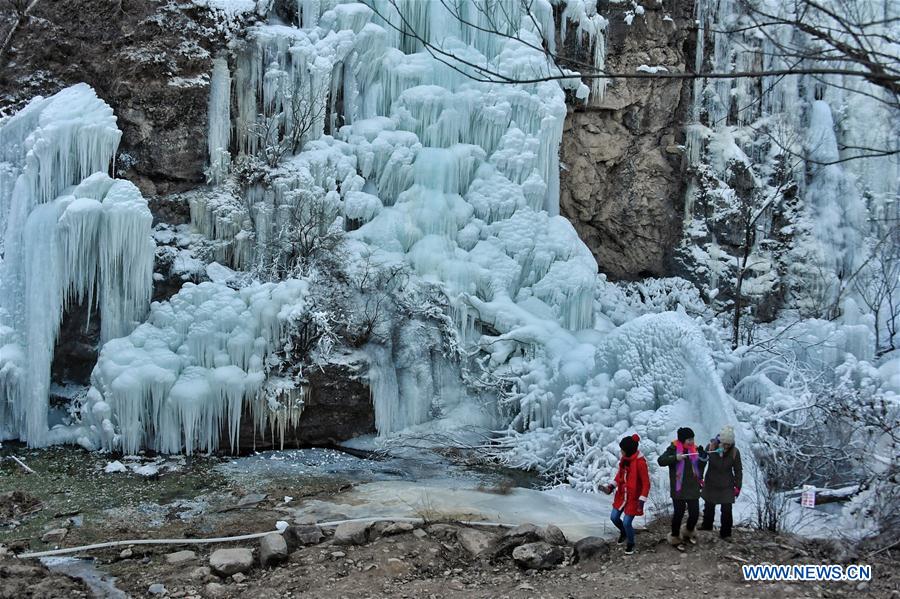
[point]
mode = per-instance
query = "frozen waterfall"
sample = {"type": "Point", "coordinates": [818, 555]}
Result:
{"type": "Point", "coordinates": [459, 179]}
{"type": "Point", "coordinates": [73, 236]}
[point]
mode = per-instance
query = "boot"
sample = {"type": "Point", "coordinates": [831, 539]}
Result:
{"type": "Point", "coordinates": [689, 536]}
{"type": "Point", "coordinates": [674, 541]}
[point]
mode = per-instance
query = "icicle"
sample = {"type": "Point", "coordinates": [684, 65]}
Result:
{"type": "Point", "coordinates": [62, 250]}
{"type": "Point", "coordinates": [219, 115]}
{"type": "Point", "coordinates": [182, 379]}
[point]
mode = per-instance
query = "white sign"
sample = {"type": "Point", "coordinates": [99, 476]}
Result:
{"type": "Point", "coordinates": [808, 496]}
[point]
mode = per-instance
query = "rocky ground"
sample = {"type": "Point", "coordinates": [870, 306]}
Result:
{"type": "Point", "coordinates": [69, 501]}
{"type": "Point", "coordinates": [450, 560]}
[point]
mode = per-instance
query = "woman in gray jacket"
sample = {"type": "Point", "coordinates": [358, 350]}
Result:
{"type": "Point", "coordinates": [722, 482]}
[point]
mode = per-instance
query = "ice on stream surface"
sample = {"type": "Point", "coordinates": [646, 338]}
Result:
{"type": "Point", "coordinates": [101, 584]}
{"type": "Point", "coordinates": [412, 482]}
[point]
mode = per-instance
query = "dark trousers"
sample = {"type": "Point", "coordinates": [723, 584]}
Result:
{"type": "Point", "coordinates": [693, 510]}
{"type": "Point", "coordinates": [709, 515]}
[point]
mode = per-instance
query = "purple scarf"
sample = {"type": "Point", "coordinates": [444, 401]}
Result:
{"type": "Point", "coordinates": [679, 469]}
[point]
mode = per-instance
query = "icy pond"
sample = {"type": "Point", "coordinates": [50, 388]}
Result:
{"type": "Point", "coordinates": [420, 483]}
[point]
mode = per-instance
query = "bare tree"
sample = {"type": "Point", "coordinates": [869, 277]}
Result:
{"type": "Point", "coordinates": [838, 434]}
{"type": "Point", "coordinates": [878, 285]}
{"type": "Point", "coordinates": [855, 58]}
{"type": "Point", "coordinates": [284, 132]}
{"type": "Point", "coordinates": [841, 34]}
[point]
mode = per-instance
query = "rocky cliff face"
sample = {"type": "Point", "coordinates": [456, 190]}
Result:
{"type": "Point", "coordinates": [338, 407]}
{"type": "Point", "coordinates": [621, 183]}
{"type": "Point", "coordinates": [148, 59]}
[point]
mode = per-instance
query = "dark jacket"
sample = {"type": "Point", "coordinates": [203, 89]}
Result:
{"type": "Point", "coordinates": [723, 473]}
{"type": "Point", "coordinates": [690, 486]}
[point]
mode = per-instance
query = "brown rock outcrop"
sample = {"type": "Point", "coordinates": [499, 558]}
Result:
{"type": "Point", "coordinates": [621, 183]}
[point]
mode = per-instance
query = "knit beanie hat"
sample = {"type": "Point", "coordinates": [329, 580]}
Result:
{"type": "Point", "coordinates": [685, 433]}
{"type": "Point", "coordinates": [726, 435]}
{"type": "Point", "coordinates": [629, 445]}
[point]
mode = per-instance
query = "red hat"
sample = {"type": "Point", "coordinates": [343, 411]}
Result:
{"type": "Point", "coordinates": [635, 437]}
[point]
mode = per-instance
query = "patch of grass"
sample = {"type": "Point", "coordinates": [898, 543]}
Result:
{"type": "Point", "coordinates": [71, 481]}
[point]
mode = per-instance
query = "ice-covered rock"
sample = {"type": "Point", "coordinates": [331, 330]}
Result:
{"type": "Point", "coordinates": [187, 372]}
{"type": "Point", "coordinates": [70, 234]}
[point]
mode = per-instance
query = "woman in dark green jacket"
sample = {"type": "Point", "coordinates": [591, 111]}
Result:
{"type": "Point", "coordinates": [686, 462]}
{"type": "Point", "coordinates": [722, 485]}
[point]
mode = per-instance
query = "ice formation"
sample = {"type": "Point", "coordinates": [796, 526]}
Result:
{"type": "Point", "coordinates": [421, 164]}
{"type": "Point", "coordinates": [459, 179]}
{"type": "Point", "coordinates": [754, 121]}
{"type": "Point", "coordinates": [189, 373]}
{"type": "Point", "coordinates": [73, 236]}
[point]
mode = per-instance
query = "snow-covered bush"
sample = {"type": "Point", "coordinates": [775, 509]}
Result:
{"type": "Point", "coordinates": [824, 418]}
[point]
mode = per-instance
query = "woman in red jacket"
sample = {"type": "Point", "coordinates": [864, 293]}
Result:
{"type": "Point", "coordinates": [632, 486]}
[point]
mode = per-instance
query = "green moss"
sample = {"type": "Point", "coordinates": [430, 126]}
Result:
{"type": "Point", "coordinates": [70, 480]}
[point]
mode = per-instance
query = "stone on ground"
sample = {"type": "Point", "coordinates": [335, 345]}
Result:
{"type": "Point", "coordinates": [352, 533]}
{"type": "Point", "coordinates": [553, 535]}
{"type": "Point", "coordinates": [214, 589]}
{"type": "Point", "coordinates": [55, 536]}
{"type": "Point", "coordinates": [200, 573]}
{"type": "Point", "coordinates": [538, 556]}
{"type": "Point", "coordinates": [226, 562]}
{"type": "Point", "coordinates": [396, 528]}
{"type": "Point", "coordinates": [181, 557]}
{"type": "Point", "coordinates": [591, 548]}
{"type": "Point", "coordinates": [512, 538]}
{"type": "Point", "coordinates": [474, 541]}
{"type": "Point", "coordinates": [157, 589]}
{"type": "Point", "coordinates": [444, 532]}
{"type": "Point", "coordinates": [303, 534]}
{"type": "Point", "coordinates": [272, 550]}
{"type": "Point", "coordinates": [396, 567]}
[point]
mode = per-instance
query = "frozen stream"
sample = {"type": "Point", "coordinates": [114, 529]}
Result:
{"type": "Point", "coordinates": [421, 483]}
{"type": "Point", "coordinates": [100, 583]}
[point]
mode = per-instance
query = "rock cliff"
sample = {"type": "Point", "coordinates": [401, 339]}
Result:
{"type": "Point", "coordinates": [621, 183]}
{"type": "Point", "coordinates": [148, 59]}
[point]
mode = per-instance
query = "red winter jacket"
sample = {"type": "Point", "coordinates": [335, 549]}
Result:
{"type": "Point", "coordinates": [632, 485]}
